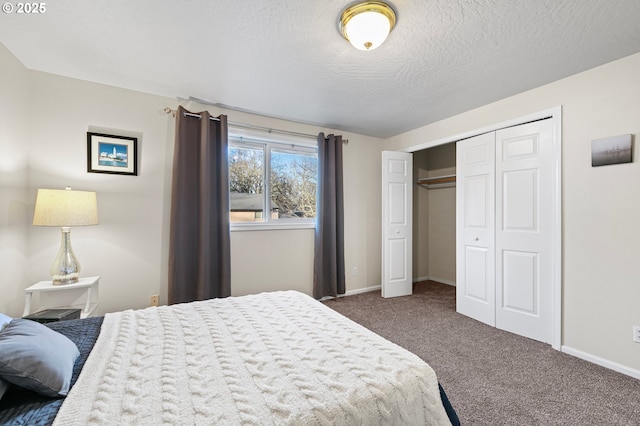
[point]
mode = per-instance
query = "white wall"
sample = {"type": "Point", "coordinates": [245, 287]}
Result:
{"type": "Point", "coordinates": [14, 218]}
{"type": "Point", "coordinates": [126, 248]}
{"type": "Point", "coordinates": [601, 205]}
{"type": "Point", "coordinates": [129, 248]}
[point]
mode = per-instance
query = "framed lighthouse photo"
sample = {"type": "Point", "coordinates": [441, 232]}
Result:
{"type": "Point", "coordinates": [112, 154]}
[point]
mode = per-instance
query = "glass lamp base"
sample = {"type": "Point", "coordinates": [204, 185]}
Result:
{"type": "Point", "coordinates": [65, 268]}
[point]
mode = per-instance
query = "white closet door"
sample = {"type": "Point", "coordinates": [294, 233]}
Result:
{"type": "Point", "coordinates": [475, 221]}
{"type": "Point", "coordinates": [525, 192]}
{"type": "Point", "coordinates": [397, 209]}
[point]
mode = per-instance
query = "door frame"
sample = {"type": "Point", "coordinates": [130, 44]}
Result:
{"type": "Point", "coordinates": [555, 114]}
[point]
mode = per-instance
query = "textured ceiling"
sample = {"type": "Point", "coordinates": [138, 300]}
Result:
{"type": "Point", "coordinates": [287, 59]}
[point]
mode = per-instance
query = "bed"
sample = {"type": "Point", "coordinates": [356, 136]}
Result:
{"type": "Point", "coordinates": [279, 358]}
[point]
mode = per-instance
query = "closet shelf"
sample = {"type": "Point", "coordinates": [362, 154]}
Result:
{"type": "Point", "coordinates": [438, 181]}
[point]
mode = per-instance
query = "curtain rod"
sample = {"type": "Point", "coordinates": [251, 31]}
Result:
{"type": "Point", "coordinates": [251, 126]}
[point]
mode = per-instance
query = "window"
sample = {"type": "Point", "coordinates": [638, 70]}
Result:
{"type": "Point", "coordinates": [272, 183]}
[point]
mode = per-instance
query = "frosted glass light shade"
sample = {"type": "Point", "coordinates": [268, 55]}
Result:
{"type": "Point", "coordinates": [367, 25]}
{"type": "Point", "coordinates": [65, 208]}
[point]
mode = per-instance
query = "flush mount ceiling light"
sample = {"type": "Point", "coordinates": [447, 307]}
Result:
{"type": "Point", "coordinates": [366, 25]}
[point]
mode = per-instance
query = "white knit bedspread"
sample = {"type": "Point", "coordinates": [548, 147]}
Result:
{"type": "Point", "coordinates": [278, 358]}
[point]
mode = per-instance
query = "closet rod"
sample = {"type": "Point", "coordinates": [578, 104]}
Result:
{"type": "Point", "coordinates": [251, 126]}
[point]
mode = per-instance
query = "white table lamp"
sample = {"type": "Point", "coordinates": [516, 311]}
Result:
{"type": "Point", "coordinates": [65, 208]}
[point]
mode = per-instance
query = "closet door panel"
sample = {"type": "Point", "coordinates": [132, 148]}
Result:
{"type": "Point", "coordinates": [520, 195]}
{"type": "Point", "coordinates": [524, 200]}
{"type": "Point", "coordinates": [477, 273]}
{"type": "Point", "coordinates": [397, 207]}
{"type": "Point", "coordinates": [475, 219]}
{"type": "Point", "coordinates": [521, 285]}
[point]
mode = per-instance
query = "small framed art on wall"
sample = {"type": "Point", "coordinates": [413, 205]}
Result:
{"type": "Point", "coordinates": [112, 154]}
{"type": "Point", "coordinates": [612, 150]}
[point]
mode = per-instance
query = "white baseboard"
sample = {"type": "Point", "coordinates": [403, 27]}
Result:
{"type": "Point", "coordinates": [352, 292]}
{"type": "Point", "coordinates": [379, 287]}
{"type": "Point", "coordinates": [602, 362]}
{"type": "Point", "coordinates": [361, 290]}
{"type": "Point", "coordinates": [440, 280]}
{"type": "Point", "coordinates": [443, 281]}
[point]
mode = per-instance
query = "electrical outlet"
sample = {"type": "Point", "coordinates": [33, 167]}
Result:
{"type": "Point", "coordinates": [636, 333]}
{"type": "Point", "coordinates": [354, 271]}
{"type": "Point", "coordinates": [154, 300]}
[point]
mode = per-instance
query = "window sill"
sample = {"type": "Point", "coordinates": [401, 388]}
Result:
{"type": "Point", "coordinates": [270, 226]}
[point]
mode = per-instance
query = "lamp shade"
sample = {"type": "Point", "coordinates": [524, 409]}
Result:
{"type": "Point", "coordinates": [367, 25]}
{"type": "Point", "coordinates": [65, 207]}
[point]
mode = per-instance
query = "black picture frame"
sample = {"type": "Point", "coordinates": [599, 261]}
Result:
{"type": "Point", "coordinates": [112, 154]}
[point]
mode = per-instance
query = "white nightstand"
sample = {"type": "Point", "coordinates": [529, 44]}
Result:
{"type": "Point", "coordinates": [83, 294]}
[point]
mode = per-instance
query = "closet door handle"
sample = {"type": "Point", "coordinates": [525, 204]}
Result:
{"type": "Point", "coordinates": [477, 239]}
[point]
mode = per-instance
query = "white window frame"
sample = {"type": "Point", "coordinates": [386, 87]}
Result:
{"type": "Point", "coordinates": [281, 145]}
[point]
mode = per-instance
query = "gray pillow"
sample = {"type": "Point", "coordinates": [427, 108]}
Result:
{"type": "Point", "coordinates": [4, 320]}
{"type": "Point", "coordinates": [37, 358]}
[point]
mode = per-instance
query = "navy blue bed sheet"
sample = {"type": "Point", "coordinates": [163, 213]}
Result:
{"type": "Point", "coordinates": [22, 407]}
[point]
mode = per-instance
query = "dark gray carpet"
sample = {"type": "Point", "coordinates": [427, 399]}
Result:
{"type": "Point", "coordinates": [494, 377]}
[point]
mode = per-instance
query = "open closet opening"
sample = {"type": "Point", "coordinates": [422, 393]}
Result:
{"type": "Point", "coordinates": [434, 214]}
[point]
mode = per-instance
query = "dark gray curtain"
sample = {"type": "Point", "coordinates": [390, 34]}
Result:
{"type": "Point", "coordinates": [328, 268]}
{"type": "Point", "coordinates": [199, 252]}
